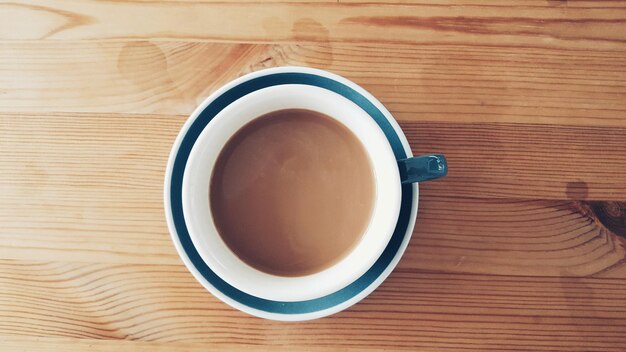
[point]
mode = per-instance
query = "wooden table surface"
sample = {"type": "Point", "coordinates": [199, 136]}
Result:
{"type": "Point", "coordinates": [520, 248]}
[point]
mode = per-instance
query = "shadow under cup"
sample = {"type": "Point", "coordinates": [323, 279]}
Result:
{"type": "Point", "coordinates": [196, 184]}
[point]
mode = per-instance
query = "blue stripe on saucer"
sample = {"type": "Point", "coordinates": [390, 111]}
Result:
{"type": "Point", "coordinates": [182, 156]}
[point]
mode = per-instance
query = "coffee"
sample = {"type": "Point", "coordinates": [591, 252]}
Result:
{"type": "Point", "coordinates": [292, 192]}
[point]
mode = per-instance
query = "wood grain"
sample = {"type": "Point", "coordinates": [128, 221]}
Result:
{"type": "Point", "coordinates": [12, 343]}
{"type": "Point", "coordinates": [458, 83]}
{"type": "Point", "coordinates": [117, 153]}
{"type": "Point", "coordinates": [602, 27]}
{"type": "Point", "coordinates": [93, 185]}
{"type": "Point", "coordinates": [521, 248]}
{"type": "Point", "coordinates": [436, 311]}
{"type": "Point", "coordinates": [495, 160]}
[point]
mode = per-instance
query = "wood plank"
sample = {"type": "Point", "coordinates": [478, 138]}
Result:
{"type": "Point", "coordinates": [535, 238]}
{"type": "Point", "coordinates": [595, 4]}
{"type": "Point", "coordinates": [108, 152]}
{"type": "Point", "coordinates": [13, 343]}
{"type": "Point", "coordinates": [88, 188]}
{"type": "Point", "coordinates": [419, 310]}
{"type": "Point", "coordinates": [554, 26]}
{"type": "Point", "coordinates": [606, 4]}
{"type": "Point", "coordinates": [137, 77]}
{"type": "Point", "coordinates": [417, 83]}
{"type": "Point", "coordinates": [509, 237]}
{"type": "Point", "coordinates": [525, 160]}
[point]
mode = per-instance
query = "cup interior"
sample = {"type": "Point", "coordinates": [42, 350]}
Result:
{"type": "Point", "coordinates": [199, 218]}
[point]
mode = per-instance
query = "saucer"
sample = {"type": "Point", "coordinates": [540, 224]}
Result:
{"type": "Point", "coordinates": [270, 309]}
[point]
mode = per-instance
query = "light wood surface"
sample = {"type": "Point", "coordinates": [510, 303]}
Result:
{"type": "Point", "coordinates": [521, 248]}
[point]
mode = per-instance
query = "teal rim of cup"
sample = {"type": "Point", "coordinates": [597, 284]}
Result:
{"type": "Point", "coordinates": [176, 201]}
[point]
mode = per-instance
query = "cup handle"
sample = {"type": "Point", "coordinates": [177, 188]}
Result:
{"type": "Point", "coordinates": [422, 168]}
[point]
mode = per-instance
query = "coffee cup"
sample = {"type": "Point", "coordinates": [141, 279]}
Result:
{"type": "Point", "coordinates": [396, 173]}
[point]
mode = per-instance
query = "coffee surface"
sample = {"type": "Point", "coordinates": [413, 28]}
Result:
{"type": "Point", "coordinates": [292, 192]}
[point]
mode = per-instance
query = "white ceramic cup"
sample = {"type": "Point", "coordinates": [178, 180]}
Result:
{"type": "Point", "coordinates": [389, 173]}
{"type": "Point", "coordinates": [200, 167]}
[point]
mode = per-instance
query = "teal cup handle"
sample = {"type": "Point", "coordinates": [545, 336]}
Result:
{"type": "Point", "coordinates": [422, 168]}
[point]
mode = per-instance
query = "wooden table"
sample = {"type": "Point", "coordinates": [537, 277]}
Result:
{"type": "Point", "coordinates": [521, 247]}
